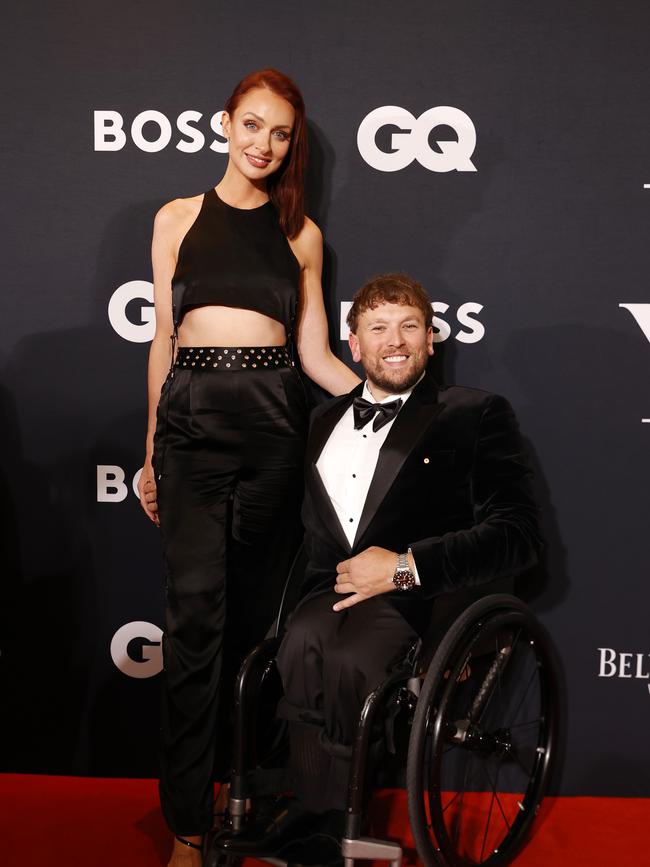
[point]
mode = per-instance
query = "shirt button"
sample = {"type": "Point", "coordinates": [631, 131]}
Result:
{"type": "Point", "coordinates": [365, 436]}
{"type": "Point", "coordinates": [352, 520]}
{"type": "Point", "coordinates": [354, 475]}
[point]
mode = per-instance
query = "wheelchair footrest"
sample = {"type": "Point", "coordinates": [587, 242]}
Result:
{"type": "Point", "coordinates": [371, 849]}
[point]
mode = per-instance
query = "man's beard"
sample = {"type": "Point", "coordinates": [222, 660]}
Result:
{"type": "Point", "coordinates": [394, 384]}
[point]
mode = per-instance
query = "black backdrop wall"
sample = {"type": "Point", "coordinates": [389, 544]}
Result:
{"type": "Point", "coordinates": [498, 152]}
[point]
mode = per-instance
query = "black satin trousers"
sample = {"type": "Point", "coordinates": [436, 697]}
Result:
{"type": "Point", "coordinates": [228, 458]}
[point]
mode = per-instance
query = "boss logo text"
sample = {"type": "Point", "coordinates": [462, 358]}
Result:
{"type": "Point", "coordinates": [111, 484]}
{"type": "Point", "coordinates": [152, 131]}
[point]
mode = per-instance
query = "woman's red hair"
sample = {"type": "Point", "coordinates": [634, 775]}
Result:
{"type": "Point", "coordinates": [286, 188]}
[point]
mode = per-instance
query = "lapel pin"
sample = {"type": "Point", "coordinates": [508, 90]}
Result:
{"type": "Point", "coordinates": [426, 460]}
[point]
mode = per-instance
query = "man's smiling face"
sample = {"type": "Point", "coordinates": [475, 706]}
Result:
{"type": "Point", "coordinates": [393, 344]}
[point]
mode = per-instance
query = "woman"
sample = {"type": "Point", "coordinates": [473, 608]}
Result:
{"type": "Point", "coordinates": [237, 276]}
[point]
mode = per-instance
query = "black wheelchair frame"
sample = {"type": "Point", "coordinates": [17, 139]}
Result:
{"type": "Point", "coordinates": [481, 700]}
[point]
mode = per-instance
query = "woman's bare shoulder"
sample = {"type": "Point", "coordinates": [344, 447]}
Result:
{"type": "Point", "coordinates": [310, 233]}
{"type": "Point", "coordinates": [175, 215]}
{"type": "Point", "coordinates": [308, 242]}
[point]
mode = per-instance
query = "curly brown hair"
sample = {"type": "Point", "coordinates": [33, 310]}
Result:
{"type": "Point", "coordinates": [389, 289]}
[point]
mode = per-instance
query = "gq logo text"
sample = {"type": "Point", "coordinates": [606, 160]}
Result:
{"type": "Point", "coordinates": [409, 139]}
{"type": "Point", "coordinates": [136, 649]}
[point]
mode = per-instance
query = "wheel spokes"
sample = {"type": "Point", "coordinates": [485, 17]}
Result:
{"type": "Point", "coordinates": [523, 697]}
{"type": "Point", "coordinates": [489, 817]}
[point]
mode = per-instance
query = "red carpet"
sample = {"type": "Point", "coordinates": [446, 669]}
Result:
{"type": "Point", "coordinates": [57, 821]}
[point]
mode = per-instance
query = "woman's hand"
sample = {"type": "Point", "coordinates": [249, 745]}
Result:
{"type": "Point", "coordinates": [148, 493]}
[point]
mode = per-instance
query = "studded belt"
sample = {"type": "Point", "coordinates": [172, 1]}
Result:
{"type": "Point", "coordinates": [234, 358]}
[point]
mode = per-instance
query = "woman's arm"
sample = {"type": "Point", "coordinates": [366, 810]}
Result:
{"type": "Point", "coordinates": [163, 258]}
{"type": "Point", "coordinates": [312, 339]}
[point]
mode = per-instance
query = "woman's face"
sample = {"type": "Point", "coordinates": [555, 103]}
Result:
{"type": "Point", "coordinates": [259, 132]}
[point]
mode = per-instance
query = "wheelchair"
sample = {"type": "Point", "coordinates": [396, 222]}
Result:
{"type": "Point", "coordinates": [475, 708]}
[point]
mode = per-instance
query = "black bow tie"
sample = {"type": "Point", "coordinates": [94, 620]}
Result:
{"type": "Point", "coordinates": [364, 411]}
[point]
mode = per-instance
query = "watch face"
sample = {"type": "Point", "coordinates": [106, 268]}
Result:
{"type": "Point", "coordinates": [404, 579]}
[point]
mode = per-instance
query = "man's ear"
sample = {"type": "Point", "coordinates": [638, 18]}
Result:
{"type": "Point", "coordinates": [225, 124]}
{"type": "Point", "coordinates": [353, 340]}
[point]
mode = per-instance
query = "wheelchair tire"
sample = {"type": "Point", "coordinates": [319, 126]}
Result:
{"type": "Point", "coordinates": [483, 737]}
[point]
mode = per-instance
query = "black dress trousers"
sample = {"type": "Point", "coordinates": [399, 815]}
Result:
{"type": "Point", "coordinates": [329, 662]}
{"type": "Point", "coordinates": [228, 459]}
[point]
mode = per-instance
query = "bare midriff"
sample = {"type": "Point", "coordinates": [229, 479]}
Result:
{"type": "Point", "coordinates": [229, 326]}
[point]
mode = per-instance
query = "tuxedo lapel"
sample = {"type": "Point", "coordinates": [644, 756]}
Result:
{"type": "Point", "coordinates": [413, 420]}
{"type": "Point", "coordinates": [321, 428]}
{"type": "Point", "coordinates": [324, 510]}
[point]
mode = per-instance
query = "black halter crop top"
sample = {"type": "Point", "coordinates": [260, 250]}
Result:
{"type": "Point", "coordinates": [233, 257]}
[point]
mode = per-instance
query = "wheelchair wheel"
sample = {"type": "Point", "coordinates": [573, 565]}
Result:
{"type": "Point", "coordinates": [483, 737]}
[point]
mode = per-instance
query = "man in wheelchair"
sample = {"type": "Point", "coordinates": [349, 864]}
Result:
{"type": "Point", "coordinates": [413, 492]}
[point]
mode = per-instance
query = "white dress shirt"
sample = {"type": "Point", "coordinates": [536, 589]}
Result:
{"type": "Point", "coordinates": [348, 460]}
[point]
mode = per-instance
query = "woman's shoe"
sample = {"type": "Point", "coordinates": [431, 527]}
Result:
{"type": "Point", "coordinates": [178, 856]}
{"type": "Point", "coordinates": [185, 842]}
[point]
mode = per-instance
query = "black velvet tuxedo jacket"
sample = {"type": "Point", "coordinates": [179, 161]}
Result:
{"type": "Point", "coordinates": [452, 483]}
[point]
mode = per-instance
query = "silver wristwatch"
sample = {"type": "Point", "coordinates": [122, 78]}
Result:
{"type": "Point", "coordinates": [403, 579]}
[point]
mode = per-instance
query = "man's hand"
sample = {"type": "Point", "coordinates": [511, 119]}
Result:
{"type": "Point", "coordinates": [368, 574]}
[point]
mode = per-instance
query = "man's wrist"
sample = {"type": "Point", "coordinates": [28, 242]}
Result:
{"type": "Point", "coordinates": [404, 577]}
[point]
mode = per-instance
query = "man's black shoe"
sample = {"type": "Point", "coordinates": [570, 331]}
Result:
{"type": "Point", "coordinates": [315, 850]}
{"type": "Point", "coordinates": [269, 833]}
